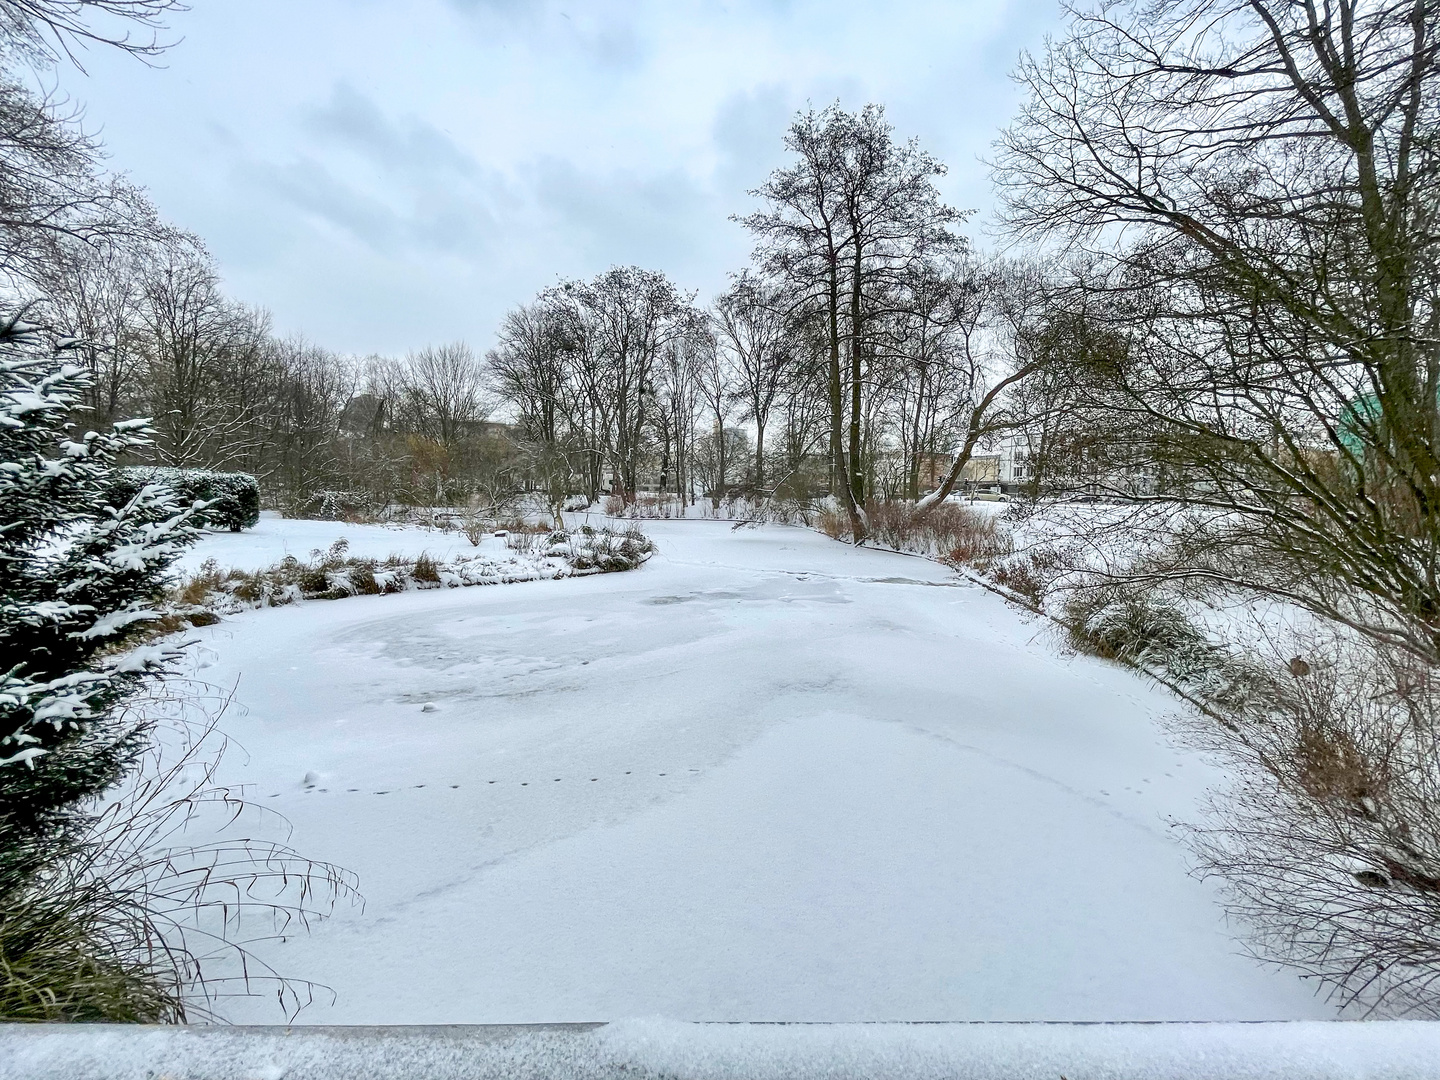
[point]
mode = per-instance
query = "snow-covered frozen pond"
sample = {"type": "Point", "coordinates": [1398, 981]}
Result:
{"type": "Point", "coordinates": [765, 777]}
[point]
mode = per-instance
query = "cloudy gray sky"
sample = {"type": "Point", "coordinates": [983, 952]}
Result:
{"type": "Point", "coordinates": [382, 174]}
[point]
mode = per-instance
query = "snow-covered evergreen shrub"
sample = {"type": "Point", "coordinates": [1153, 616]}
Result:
{"type": "Point", "coordinates": [78, 574]}
{"type": "Point", "coordinates": [232, 499]}
{"type": "Point", "coordinates": [590, 551]}
{"type": "Point", "coordinates": [1154, 634]}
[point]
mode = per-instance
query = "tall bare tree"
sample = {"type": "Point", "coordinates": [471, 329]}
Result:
{"type": "Point", "coordinates": [853, 212]}
{"type": "Point", "coordinates": [203, 360]}
{"type": "Point", "coordinates": [443, 388]}
{"type": "Point", "coordinates": [1254, 183]}
{"type": "Point", "coordinates": [752, 329]}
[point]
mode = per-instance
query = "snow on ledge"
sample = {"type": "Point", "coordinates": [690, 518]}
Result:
{"type": "Point", "coordinates": [636, 1049]}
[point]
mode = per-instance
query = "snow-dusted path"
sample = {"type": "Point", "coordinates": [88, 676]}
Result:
{"type": "Point", "coordinates": [766, 777]}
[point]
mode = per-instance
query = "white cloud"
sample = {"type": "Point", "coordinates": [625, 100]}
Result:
{"type": "Point", "coordinates": [384, 175]}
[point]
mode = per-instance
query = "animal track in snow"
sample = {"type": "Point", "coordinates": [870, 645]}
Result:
{"type": "Point", "coordinates": [312, 789]}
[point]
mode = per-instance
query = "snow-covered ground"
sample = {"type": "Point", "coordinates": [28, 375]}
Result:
{"type": "Point", "coordinates": [275, 537]}
{"type": "Point", "coordinates": [649, 1049]}
{"type": "Point", "coordinates": [765, 777]}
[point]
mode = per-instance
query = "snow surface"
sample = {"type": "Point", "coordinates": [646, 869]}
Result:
{"type": "Point", "coordinates": [637, 1049]}
{"type": "Point", "coordinates": [275, 537]}
{"type": "Point", "coordinates": [765, 777]}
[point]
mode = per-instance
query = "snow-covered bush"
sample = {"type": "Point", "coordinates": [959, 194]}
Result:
{"type": "Point", "coordinates": [76, 574]}
{"type": "Point", "coordinates": [79, 574]}
{"type": "Point", "coordinates": [1145, 630]}
{"type": "Point", "coordinates": [1327, 833]}
{"type": "Point", "coordinates": [232, 499]}
{"type": "Point", "coordinates": [601, 551]}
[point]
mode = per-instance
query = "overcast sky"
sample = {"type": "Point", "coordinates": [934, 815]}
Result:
{"type": "Point", "coordinates": [383, 174]}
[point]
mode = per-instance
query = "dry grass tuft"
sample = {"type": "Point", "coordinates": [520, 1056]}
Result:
{"type": "Point", "coordinates": [131, 922]}
{"type": "Point", "coordinates": [426, 571]}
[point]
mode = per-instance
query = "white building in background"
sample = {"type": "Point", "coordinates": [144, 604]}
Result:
{"type": "Point", "coordinates": [1016, 469]}
{"type": "Point", "coordinates": [1014, 466]}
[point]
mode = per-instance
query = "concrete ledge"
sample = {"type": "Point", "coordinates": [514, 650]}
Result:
{"type": "Point", "coordinates": [636, 1049]}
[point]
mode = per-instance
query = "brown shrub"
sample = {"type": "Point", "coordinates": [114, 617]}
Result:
{"type": "Point", "coordinates": [247, 588]}
{"type": "Point", "coordinates": [313, 580]}
{"type": "Point", "coordinates": [833, 524]}
{"type": "Point", "coordinates": [1019, 576]}
{"type": "Point", "coordinates": [1328, 838]}
{"type": "Point", "coordinates": [1331, 768]}
{"type": "Point", "coordinates": [362, 577]}
{"type": "Point", "coordinates": [956, 534]}
{"type": "Point", "coordinates": [972, 537]}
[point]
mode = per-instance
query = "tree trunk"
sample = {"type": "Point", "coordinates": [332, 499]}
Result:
{"type": "Point", "coordinates": [973, 434]}
{"type": "Point", "coordinates": [839, 471]}
{"type": "Point", "coordinates": [857, 465]}
{"type": "Point", "coordinates": [759, 456]}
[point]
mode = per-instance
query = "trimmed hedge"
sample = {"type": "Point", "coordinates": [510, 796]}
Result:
{"type": "Point", "coordinates": [233, 498]}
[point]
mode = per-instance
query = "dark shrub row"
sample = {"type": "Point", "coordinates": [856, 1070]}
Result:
{"type": "Point", "coordinates": [233, 498]}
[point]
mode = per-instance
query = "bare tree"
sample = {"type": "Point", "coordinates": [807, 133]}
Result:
{"type": "Point", "coordinates": [1254, 184]}
{"type": "Point", "coordinates": [619, 326]}
{"type": "Point", "coordinates": [752, 329]}
{"type": "Point", "coordinates": [442, 392]}
{"type": "Point", "coordinates": [802, 241]}
{"type": "Point", "coordinates": [203, 359]}
{"type": "Point", "coordinates": [46, 30]}
{"type": "Point", "coordinates": [53, 191]}
{"type": "Point", "coordinates": [302, 446]}
{"type": "Point", "coordinates": [94, 292]}
{"type": "Point", "coordinates": [1248, 192]}
{"type": "Point", "coordinates": [933, 360]}
{"type": "Point", "coordinates": [677, 403]}
{"type": "Point", "coordinates": [529, 367]}
{"type": "Point", "coordinates": [715, 382]}
{"type": "Point", "coordinates": [839, 225]}
{"type": "Point", "coordinates": [1017, 302]}
{"type": "Point", "coordinates": [52, 186]}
